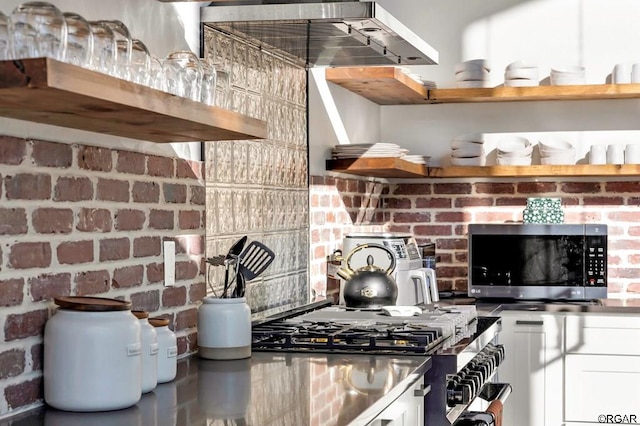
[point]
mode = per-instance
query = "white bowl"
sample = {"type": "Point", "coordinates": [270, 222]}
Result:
{"type": "Point", "coordinates": [470, 137]}
{"type": "Point", "coordinates": [458, 144]}
{"type": "Point", "coordinates": [468, 151]}
{"type": "Point", "coordinates": [513, 161]}
{"type": "Point", "coordinates": [558, 160]}
{"type": "Point", "coordinates": [552, 144]}
{"type": "Point", "coordinates": [569, 70]}
{"type": "Point", "coordinates": [524, 73]}
{"type": "Point", "coordinates": [519, 64]}
{"type": "Point", "coordinates": [472, 64]}
{"type": "Point", "coordinates": [469, 84]}
{"type": "Point", "coordinates": [468, 161]}
{"type": "Point", "coordinates": [521, 82]}
{"type": "Point", "coordinates": [513, 144]}
{"type": "Point", "coordinates": [473, 74]}
{"type": "Point", "coordinates": [566, 81]}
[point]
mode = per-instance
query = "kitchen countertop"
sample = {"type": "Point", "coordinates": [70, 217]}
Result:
{"type": "Point", "coordinates": [292, 389]}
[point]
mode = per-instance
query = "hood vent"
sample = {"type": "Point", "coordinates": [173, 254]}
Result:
{"type": "Point", "coordinates": [347, 33]}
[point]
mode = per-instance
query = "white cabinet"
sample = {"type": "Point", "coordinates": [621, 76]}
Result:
{"type": "Point", "coordinates": [533, 366]}
{"type": "Point", "coordinates": [407, 410]}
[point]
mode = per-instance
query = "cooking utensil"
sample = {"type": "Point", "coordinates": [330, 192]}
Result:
{"type": "Point", "coordinates": [255, 259]}
{"type": "Point", "coordinates": [232, 258]}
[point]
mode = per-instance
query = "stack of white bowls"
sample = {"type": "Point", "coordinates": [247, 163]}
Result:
{"type": "Point", "coordinates": [473, 73]}
{"type": "Point", "coordinates": [567, 76]}
{"type": "Point", "coordinates": [556, 151]}
{"type": "Point", "coordinates": [514, 151]}
{"type": "Point", "coordinates": [468, 150]}
{"type": "Point", "coordinates": [521, 74]}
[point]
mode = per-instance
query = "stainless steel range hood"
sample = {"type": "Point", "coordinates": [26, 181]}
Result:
{"type": "Point", "coordinates": [335, 33]}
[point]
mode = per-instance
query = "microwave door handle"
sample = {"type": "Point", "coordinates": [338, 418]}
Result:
{"type": "Point", "coordinates": [420, 276]}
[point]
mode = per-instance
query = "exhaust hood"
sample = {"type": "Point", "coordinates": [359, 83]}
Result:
{"type": "Point", "coordinates": [317, 33]}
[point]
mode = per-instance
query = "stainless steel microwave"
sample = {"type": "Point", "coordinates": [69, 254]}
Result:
{"type": "Point", "coordinates": [538, 261]}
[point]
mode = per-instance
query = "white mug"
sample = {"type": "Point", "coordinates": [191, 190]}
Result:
{"type": "Point", "coordinates": [621, 74]}
{"type": "Point", "coordinates": [615, 154]}
{"type": "Point", "coordinates": [635, 73]}
{"type": "Point", "coordinates": [632, 154]}
{"type": "Point", "coordinates": [598, 154]}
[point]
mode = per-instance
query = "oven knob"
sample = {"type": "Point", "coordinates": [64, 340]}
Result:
{"type": "Point", "coordinates": [489, 362]}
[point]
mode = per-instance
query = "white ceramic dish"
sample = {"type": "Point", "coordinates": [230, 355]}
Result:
{"type": "Point", "coordinates": [470, 137]}
{"type": "Point", "coordinates": [519, 64]}
{"type": "Point", "coordinates": [511, 144]}
{"type": "Point", "coordinates": [558, 160]}
{"type": "Point", "coordinates": [458, 144]}
{"type": "Point", "coordinates": [473, 74]}
{"type": "Point", "coordinates": [520, 82]}
{"type": "Point", "coordinates": [470, 84]}
{"type": "Point", "coordinates": [473, 150]}
{"type": "Point", "coordinates": [567, 81]}
{"type": "Point", "coordinates": [569, 70]}
{"type": "Point", "coordinates": [472, 64]}
{"type": "Point", "coordinates": [513, 161]}
{"type": "Point", "coordinates": [551, 144]}
{"type": "Point", "coordinates": [469, 161]}
{"type": "Point", "coordinates": [524, 73]}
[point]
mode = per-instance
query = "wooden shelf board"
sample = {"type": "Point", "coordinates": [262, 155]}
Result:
{"type": "Point", "coordinates": [46, 91]}
{"type": "Point", "coordinates": [398, 168]}
{"type": "Point", "coordinates": [538, 93]}
{"type": "Point", "coordinates": [382, 85]}
{"type": "Point", "coordinates": [378, 167]}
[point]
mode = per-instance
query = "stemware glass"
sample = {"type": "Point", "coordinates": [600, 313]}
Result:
{"type": "Point", "coordinates": [140, 63]}
{"type": "Point", "coordinates": [104, 56]}
{"type": "Point", "coordinates": [79, 40]}
{"type": "Point", "coordinates": [183, 74]}
{"type": "Point", "coordinates": [38, 29]}
{"type": "Point", "coordinates": [4, 37]}
{"type": "Point", "coordinates": [208, 87]}
{"type": "Point", "coordinates": [124, 47]}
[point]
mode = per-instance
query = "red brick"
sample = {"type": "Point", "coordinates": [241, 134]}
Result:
{"type": "Point", "coordinates": [511, 201]}
{"type": "Point", "coordinates": [624, 245]}
{"type": "Point", "coordinates": [24, 186]}
{"type": "Point", "coordinates": [128, 276]}
{"type": "Point", "coordinates": [460, 230]}
{"type": "Point", "coordinates": [198, 195]}
{"type": "Point", "coordinates": [580, 187]}
{"type": "Point", "coordinates": [570, 201]}
{"type": "Point", "coordinates": [603, 201]}
{"type": "Point", "coordinates": [495, 188]}
{"type": "Point", "coordinates": [155, 272]}
{"type": "Point", "coordinates": [473, 202]}
{"type": "Point", "coordinates": [46, 287]}
{"type": "Point", "coordinates": [633, 201]}
{"type": "Point", "coordinates": [147, 246]}
{"type": "Point", "coordinates": [630, 273]}
{"type": "Point", "coordinates": [174, 296]}
{"type": "Point", "coordinates": [494, 217]}
{"type": "Point", "coordinates": [12, 150]}
{"type": "Point", "coordinates": [161, 219]}
{"type": "Point", "coordinates": [411, 217]}
{"type": "Point", "coordinates": [582, 217]}
{"type": "Point", "coordinates": [453, 217]}
{"type": "Point", "coordinates": [11, 363]}
{"type": "Point", "coordinates": [433, 203]}
{"type": "Point", "coordinates": [452, 188]}
{"type": "Point", "coordinates": [115, 249]}
{"type": "Point", "coordinates": [189, 219]}
{"type": "Point", "coordinates": [93, 282]}
{"type": "Point", "coordinates": [112, 190]}
{"type": "Point", "coordinates": [74, 252]}
{"type": "Point", "coordinates": [610, 187]}
{"type": "Point", "coordinates": [461, 257]}
{"type": "Point", "coordinates": [452, 271]}
{"type": "Point", "coordinates": [94, 220]}
{"type": "Point", "coordinates": [186, 319]}
{"type": "Point", "coordinates": [160, 166]}
{"type": "Point", "coordinates": [11, 292]}
{"type": "Point", "coordinates": [197, 292]}
{"type": "Point", "coordinates": [23, 325]}
{"type": "Point", "coordinates": [129, 220]}
{"type": "Point", "coordinates": [95, 158]}
{"type": "Point", "coordinates": [73, 189]}
{"type": "Point", "coordinates": [397, 203]}
{"type": "Point", "coordinates": [146, 301]}
{"type": "Point", "coordinates": [624, 216]}
{"type": "Point", "coordinates": [24, 393]}
{"type": "Point", "coordinates": [174, 193]}
{"type": "Point", "coordinates": [51, 154]}
{"type": "Point", "coordinates": [188, 169]}
{"type": "Point", "coordinates": [318, 180]}
{"type": "Point", "coordinates": [30, 255]}
{"type": "Point", "coordinates": [634, 231]}
{"type": "Point", "coordinates": [411, 189]}
{"type": "Point", "coordinates": [131, 162]}
{"type": "Point", "coordinates": [146, 192]}
{"type": "Point", "coordinates": [36, 357]}
{"type": "Point", "coordinates": [538, 188]}
{"type": "Point", "coordinates": [186, 270]}
{"type": "Point", "coordinates": [13, 221]}
{"type": "Point", "coordinates": [427, 231]}
{"type": "Point", "coordinates": [52, 221]}
{"type": "Point", "coordinates": [451, 244]}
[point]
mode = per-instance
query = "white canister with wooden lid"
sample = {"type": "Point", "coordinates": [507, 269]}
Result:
{"type": "Point", "coordinates": [167, 350]}
{"type": "Point", "coordinates": [149, 341]}
{"type": "Point", "coordinates": [92, 359]}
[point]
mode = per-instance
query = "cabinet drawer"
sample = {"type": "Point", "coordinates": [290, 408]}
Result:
{"type": "Point", "coordinates": [606, 335]}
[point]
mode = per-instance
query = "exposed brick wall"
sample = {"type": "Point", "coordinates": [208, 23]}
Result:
{"type": "Point", "coordinates": [439, 212]}
{"type": "Point", "coordinates": [82, 220]}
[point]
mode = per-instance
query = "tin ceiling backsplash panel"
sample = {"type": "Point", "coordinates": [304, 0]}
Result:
{"type": "Point", "coordinates": [259, 188]}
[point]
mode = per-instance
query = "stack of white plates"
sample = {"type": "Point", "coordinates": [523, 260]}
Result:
{"type": "Point", "coordinates": [367, 150]}
{"type": "Point", "coordinates": [514, 151]}
{"type": "Point", "coordinates": [473, 73]}
{"type": "Point", "coordinates": [468, 150]}
{"type": "Point", "coordinates": [556, 151]}
{"type": "Point", "coordinates": [418, 159]}
{"type": "Point", "coordinates": [567, 76]}
{"type": "Point", "coordinates": [520, 74]}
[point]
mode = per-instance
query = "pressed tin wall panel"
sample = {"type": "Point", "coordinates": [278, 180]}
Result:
{"type": "Point", "coordinates": [259, 188]}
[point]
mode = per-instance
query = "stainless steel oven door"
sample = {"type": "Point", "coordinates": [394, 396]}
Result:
{"type": "Point", "coordinates": [486, 409]}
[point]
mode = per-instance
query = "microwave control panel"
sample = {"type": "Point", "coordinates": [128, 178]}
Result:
{"type": "Point", "coordinates": [596, 261]}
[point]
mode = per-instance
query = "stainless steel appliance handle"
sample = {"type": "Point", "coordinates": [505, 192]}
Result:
{"type": "Point", "coordinates": [526, 322]}
{"type": "Point", "coordinates": [422, 392]}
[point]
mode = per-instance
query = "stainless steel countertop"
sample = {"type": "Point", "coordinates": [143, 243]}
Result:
{"type": "Point", "coordinates": [602, 306]}
{"type": "Point", "coordinates": [292, 389]}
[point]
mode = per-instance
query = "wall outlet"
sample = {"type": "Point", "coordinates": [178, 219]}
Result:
{"type": "Point", "coordinates": [169, 249]}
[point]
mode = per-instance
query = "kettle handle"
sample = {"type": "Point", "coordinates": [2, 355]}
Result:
{"type": "Point", "coordinates": [392, 265]}
{"type": "Point", "coordinates": [421, 276]}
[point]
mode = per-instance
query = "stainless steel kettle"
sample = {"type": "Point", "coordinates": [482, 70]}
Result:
{"type": "Point", "coordinates": [369, 287]}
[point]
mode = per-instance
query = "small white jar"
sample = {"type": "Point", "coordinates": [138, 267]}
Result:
{"type": "Point", "coordinates": [167, 350]}
{"type": "Point", "coordinates": [149, 340]}
{"type": "Point", "coordinates": [224, 328]}
{"type": "Point", "coordinates": [91, 355]}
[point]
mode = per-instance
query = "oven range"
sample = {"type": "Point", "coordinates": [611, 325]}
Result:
{"type": "Point", "coordinates": [464, 358]}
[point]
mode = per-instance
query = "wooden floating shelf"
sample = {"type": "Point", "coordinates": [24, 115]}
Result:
{"type": "Point", "coordinates": [398, 168]}
{"type": "Point", "coordinates": [47, 91]}
{"type": "Point", "coordinates": [390, 86]}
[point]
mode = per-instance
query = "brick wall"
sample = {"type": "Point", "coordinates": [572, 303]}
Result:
{"type": "Point", "coordinates": [81, 220]}
{"type": "Point", "coordinates": [439, 212]}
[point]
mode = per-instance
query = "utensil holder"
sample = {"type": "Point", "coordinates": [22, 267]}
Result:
{"type": "Point", "coordinates": [224, 328]}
